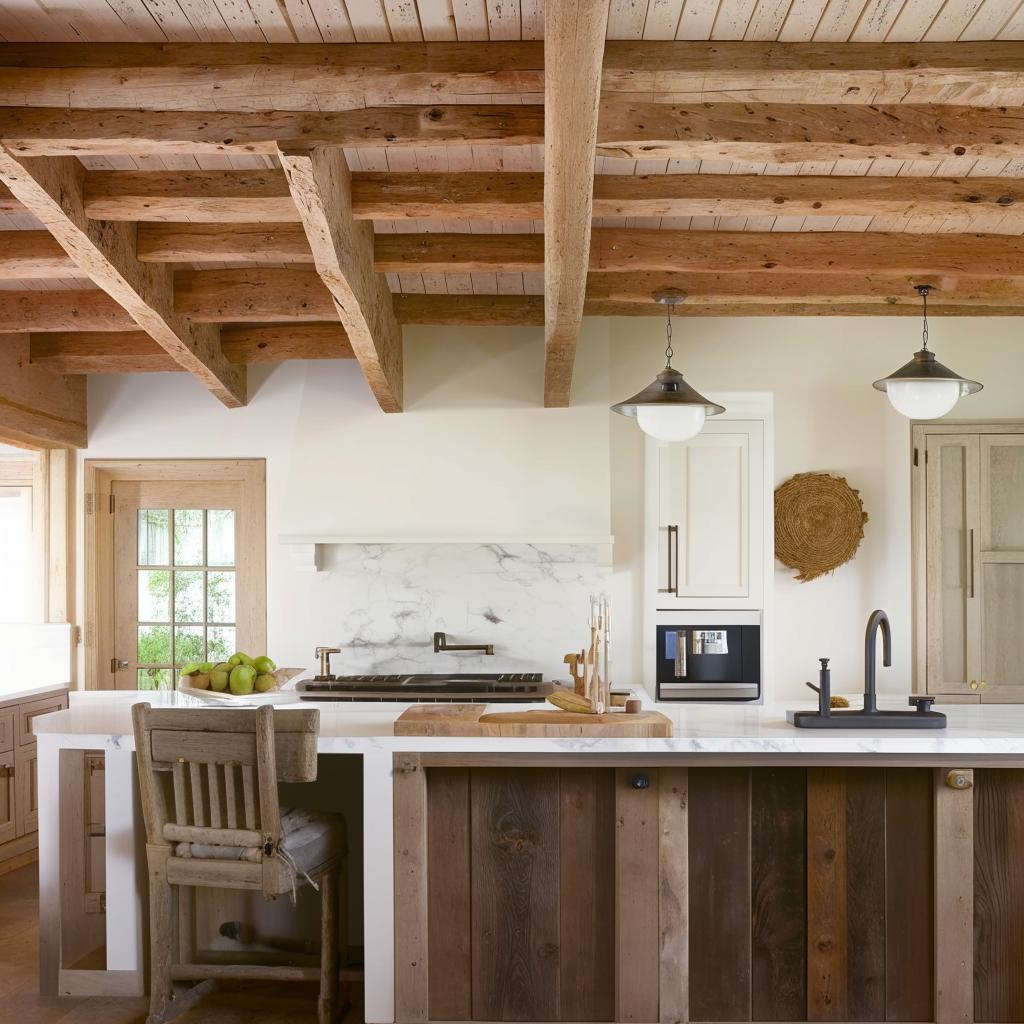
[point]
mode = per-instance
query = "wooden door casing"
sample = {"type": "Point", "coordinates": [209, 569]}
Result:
{"type": "Point", "coordinates": [672, 894]}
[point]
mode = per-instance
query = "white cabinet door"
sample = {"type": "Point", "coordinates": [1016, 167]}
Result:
{"type": "Point", "coordinates": [707, 542]}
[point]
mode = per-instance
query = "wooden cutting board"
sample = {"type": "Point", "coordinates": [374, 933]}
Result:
{"type": "Point", "coordinates": [470, 720]}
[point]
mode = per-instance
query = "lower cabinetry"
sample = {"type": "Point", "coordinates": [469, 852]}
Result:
{"type": "Point", "coordinates": [19, 806]}
{"type": "Point", "coordinates": [665, 893]}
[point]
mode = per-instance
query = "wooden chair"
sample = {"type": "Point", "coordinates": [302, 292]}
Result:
{"type": "Point", "coordinates": [208, 779]}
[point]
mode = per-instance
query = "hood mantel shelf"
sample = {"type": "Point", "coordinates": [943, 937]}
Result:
{"type": "Point", "coordinates": [306, 549]}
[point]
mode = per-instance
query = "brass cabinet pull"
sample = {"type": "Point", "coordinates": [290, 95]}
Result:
{"type": "Point", "coordinates": [972, 562]}
{"type": "Point", "coordinates": [978, 685]}
{"type": "Point", "coordinates": [672, 565]}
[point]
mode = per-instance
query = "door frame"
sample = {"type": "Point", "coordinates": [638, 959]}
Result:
{"type": "Point", "coordinates": [919, 433]}
{"type": "Point", "coordinates": [100, 475]}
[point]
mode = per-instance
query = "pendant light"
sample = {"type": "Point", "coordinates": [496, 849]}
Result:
{"type": "Point", "coordinates": [668, 409]}
{"type": "Point", "coordinates": [924, 389]}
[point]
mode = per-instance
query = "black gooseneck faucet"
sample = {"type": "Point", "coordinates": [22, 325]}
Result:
{"type": "Point", "coordinates": [878, 618]}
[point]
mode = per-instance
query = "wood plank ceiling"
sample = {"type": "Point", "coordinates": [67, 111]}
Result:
{"type": "Point", "coordinates": [766, 156]}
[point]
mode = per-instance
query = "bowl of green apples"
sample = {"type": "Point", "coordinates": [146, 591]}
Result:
{"type": "Point", "coordinates": [240, 679]}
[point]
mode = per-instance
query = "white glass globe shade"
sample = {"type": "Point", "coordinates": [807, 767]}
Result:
{"type": "Point", "coordinates": [671, 422]}
{"type": "Point", "coordinates": [923, 399]}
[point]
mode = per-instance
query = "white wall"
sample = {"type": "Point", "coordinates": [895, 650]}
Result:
{"type": "Point", "coordinates": [474, 453]}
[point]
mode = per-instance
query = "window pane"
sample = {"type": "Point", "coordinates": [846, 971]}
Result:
{"type": "Point", "coordinates": [220, 643]}
{"type": "Point", "coordinates": [188, 644]}
{"type": "Point", "coordinates": [16, 554]}
{"type": "Point", "coordinates": [188, 597]}
{"type": "Point", "coordinates": [154, 595]}
{"type": "Point", "coordinates": [154, 645]}
{"type": "Point", "coordinates": [153, 547]}
{"type": "Point", "coordinates": [220, 597]}
{"type": "Point", "coordinates": [155, 679]}
{"type": "Point", "coordinates": [220, 536]}
{"type": "Point", "coordinates": [188, 536]}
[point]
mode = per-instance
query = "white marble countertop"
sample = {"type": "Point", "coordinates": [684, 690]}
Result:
{"type": "Point", "coordinates": [30, 692]}
{"type": "Point", "coordinates": [101, 718]}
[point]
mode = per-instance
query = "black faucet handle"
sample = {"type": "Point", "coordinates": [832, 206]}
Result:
{"type": "Point", "coordinates": [812, 686]}
{"type": "Point", "coordinates": [922, 702]}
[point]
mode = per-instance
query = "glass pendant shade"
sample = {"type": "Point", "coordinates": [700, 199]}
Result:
{"type": "Point", "coordinates": [668, 409]}
{"type": "Point", "coordinates": [924, 389]}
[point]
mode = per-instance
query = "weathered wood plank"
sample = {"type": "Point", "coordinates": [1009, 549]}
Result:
{"type": "Point", "coordinates": [53, 190]}
{"type": "Point", "coordinates": [778, 883]}
{"type": "Point", "coordinates": [720, 909]}
{"type": "Point", "coordinates": [826, 895]}
{"type": "Point", "coordinates": [574, 37]}
{"type": "Point", "coordinates": [909, 895]}
{"type": "Point", "coordinates": [673, 895]}
{"type": "Point", "coordinates": [515, 883]}
{"type": "Point", "coordinates": [797, 133]}
{"type": "Point", "coordinates": [56, 131]}
{"type": "Point", "coordinates": [865, 893]}
{"type": "Point", "coordinates": [34, 254]}
{"type": "Point", "coordinates": [954, 896]}
{"type": "Point", "coordinates": [86, 310]}
{"type": "Point", "coordinates": [449, 894]}
{"type": "Point", "coordinates": [586, 894]}
{"type": "Point", "coordinates": [342, 249]}
{"type": "Point", "coordinates": [637, 860]}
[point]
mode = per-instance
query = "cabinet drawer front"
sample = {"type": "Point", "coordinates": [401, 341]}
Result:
{"type": "Point", "coordinates": [6, 730]}
{"type": "Point", "coordinates": [31, 710]}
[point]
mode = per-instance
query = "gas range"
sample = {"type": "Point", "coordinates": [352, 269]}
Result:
{"type": "Point", "coordinates": [441, 687]}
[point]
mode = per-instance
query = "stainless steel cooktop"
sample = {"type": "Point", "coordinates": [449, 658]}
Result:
{"type": "Point", "coordinates": [449, 687]}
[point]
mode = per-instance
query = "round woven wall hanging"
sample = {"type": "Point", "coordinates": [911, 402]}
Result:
{"type": "Point", "coordinates": [819, 523]}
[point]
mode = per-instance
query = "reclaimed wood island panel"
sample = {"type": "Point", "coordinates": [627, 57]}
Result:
{"type": "Point", "coordinates": [712, 894]}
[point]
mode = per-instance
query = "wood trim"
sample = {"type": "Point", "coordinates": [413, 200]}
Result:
{"type": "Point", "coordinates": [411, 915]}
{"type": "Point", "coordinates": [321, 186]}
{"type": "Point", "coordinates": [954, 897]}
{"type": "Point", "coordinates": [574, 39]}
{"type": "Point", "coordinates": [673, 896]}
{"type": "Point", "coordinates": [53, 190]}
{"type": "Point", "coordinates": [99, 477]}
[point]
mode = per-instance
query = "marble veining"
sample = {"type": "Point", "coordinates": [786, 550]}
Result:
{"type": "Point", "coordinates": [381, 603]}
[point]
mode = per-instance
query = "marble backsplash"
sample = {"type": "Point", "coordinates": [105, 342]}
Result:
{"type": "Point", "coordinates": [381, 603]}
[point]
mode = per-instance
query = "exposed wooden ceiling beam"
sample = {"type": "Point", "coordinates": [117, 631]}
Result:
{"type": "Point", "coordinates": [256, 77]}
{"type": "Point", "coordinates": [137, 352]}
{"type": "Point", "coordinates": [54, 131]}
{"type": "Point", "coordinates": [85, 310]}
{"type": "Point", "coordinates": [37, 406]}
{"type": "Point", "coordinates": [574, 37]}
{"type": "Point", "coordinates": [795, 133]}
{"type": "Point", "coordinates": [52, 188]}
{"type": "Point", "coordinates": [613, 250]}
{"type": "Point", "coordinates": [34, 255]}
{"type": "Point", "coordinates": [342, 248]}
{"type": "Point", "coordinates": [263, 197]}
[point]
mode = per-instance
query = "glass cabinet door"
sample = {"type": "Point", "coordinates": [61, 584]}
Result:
{"type": "Point", "coordinates": [953, 597]}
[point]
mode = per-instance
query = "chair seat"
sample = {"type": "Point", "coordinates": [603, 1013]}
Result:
{"type": "Point", "coordinates": [311, 841]}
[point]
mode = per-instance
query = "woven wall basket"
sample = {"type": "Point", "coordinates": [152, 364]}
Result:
{"type": "Point", "coordinates": [819, 523]}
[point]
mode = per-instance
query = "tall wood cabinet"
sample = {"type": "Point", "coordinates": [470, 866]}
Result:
{"type": "Point", "coordinates": [969, 561]}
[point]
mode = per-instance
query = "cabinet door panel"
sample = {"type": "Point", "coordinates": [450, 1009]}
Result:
{"type": "Point", "coordinates": [8, 798]}
{"type": "Point", "coordinates": [952, 546]}
{"type": "Point", "coordinates": [26, 799]}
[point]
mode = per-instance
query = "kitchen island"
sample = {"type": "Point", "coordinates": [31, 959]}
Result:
{"type": "Point", "coordinates": [741, 870]}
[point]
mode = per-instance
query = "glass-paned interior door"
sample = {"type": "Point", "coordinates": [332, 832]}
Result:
{"type": "Point", "coordinates": [180, 579]}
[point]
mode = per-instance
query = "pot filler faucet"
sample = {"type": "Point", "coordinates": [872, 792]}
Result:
{"type": "Point", "coordinates": [441, 645]}
{"type": "Point", "coordinates": [868, 717]}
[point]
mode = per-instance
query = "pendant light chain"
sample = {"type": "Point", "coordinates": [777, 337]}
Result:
{"type": "Point", "coordinates": [924, 329]}
{"type": "Point", "coordinates": [669, 351]}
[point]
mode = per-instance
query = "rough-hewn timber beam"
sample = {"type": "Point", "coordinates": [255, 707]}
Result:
{"type": "Point", "coordinates": [86, 310]}
{"type": "Point", "coordinates": [612, 250]}
{"type": "Point", "coordinates": [342, 250]}
{"type": "Point", "coordinates": [136, 352]}
{"type": "Point", "coordinates": [53, 131]}
{"type": "Point", "coordinates": [37, 406]}
{"type": "Point", "coordinates": [574, 38]}
{"type": "Point", "coordinates": [794, 133]}
{"type": "Point", "coordinates": [256, 77]}
{"type": "Point", "coordinates": [34, 254]}
{"type": "Point", "coordinates": [225, 197]}
{"type": "Point", "coordinates": [52, 188]}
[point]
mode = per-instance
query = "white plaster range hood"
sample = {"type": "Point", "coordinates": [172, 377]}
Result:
{"type": "Point", "coordinates": [306, 549]}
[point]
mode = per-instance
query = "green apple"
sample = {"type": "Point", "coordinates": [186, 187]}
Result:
{"type": "Point", "coordinates": [263, 664]}
{"type": "Point", "coordinates": [190, 669]}
{"type": "Point", "coordinates": [238, 658]}
{"type": "Point", "coordinates": [218, 680]}
{"type": "Point", "coordinates": [265, 682]}
{"type": "Point", "coordinates": [242, 679]}
{"type": "Point", "coordinates": [206, 666]}
{"type": "Point", "coordinates": [200, 681]}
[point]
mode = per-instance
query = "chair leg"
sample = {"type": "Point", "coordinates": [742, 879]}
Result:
{"type": "Point", "coordinates": [161, 932]}
{"type": "Point", "coordinates": [327, 1005]}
